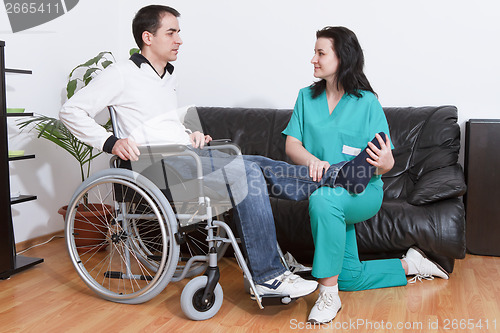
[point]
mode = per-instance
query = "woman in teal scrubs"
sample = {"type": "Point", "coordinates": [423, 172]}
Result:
{"type": "Point", "coordinates": [333, 120]}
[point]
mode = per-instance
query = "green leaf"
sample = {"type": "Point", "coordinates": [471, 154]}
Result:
{"type": "Point", "coordinates": [90, 62]}
{"type": "Point", "coordinates": [54, 130]}
{"type": "Point", "coordinates": [108, 125]}
{"type": "Point", "coordinates": [88, 73]}
{"type": "Point", "coordinates": [106, 63]}
{"type": "Point", "coordinates": [134, 50]}
{"type": "Point", "coordinates": [102, 57]}
{"type": "Point", "coordinates": [102, 54]}
{"type": "Point", "coordinates": [74, 69]}
{"type": "Point", "coordinates": [71, 87]}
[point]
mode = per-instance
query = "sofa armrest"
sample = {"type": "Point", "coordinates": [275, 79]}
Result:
{"type": "Point", "coordinates": [439, 184]}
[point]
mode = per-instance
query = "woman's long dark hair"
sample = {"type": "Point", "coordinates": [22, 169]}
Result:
{"type": "Point", "coordinates": [350, 74]}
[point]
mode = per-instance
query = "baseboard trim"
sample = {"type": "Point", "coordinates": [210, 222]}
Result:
{"type": "Point", "coordinates": [21, 246]}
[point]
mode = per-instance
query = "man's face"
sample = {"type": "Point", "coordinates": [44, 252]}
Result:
{"type": "Point", "coordinates": [166, 41]}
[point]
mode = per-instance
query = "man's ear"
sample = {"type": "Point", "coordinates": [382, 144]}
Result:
{"type": "Point", "coordinates": [146, 37]}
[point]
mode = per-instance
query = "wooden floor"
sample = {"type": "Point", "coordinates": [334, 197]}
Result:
{"type": "Point", "coordinates": [51, 298]}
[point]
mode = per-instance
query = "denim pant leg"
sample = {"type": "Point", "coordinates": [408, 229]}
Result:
{"type": "Point", "coordinates": [257, 230]}
{"type": "Point", "coordinates": [243, 182]}
{"type": "Point", "coordinates": [289, 181]}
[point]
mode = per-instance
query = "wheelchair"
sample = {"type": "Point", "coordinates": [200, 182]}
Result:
{"type": "Point", "coordinates": [141, 238]}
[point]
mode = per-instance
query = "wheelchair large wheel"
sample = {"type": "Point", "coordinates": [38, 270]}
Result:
{"type": "Point", "coordinates": [128, 253]}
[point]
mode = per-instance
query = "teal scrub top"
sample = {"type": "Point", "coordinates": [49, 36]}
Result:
{"type": "Point", "coordinates": [341, 135]}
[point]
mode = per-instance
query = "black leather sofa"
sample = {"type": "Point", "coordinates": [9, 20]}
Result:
{"type": "Point", "coordinates": [422, 202]}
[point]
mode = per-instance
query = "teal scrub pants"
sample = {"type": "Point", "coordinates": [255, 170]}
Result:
{"type": "Point", "coordinates": [333, 212]}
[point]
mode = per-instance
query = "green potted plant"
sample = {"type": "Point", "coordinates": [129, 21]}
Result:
{"type": "Point", "coordinates": [55, 131]}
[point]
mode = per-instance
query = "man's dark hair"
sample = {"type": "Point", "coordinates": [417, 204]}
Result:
{"type": "Point", "coordinates": [350, 75]}
{"type": "Point", "coordinates": [149, 19]}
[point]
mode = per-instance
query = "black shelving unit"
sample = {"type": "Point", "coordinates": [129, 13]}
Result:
{"type": "Point", "coordinates": [24, 157]}
{"type": "Point", "coordinates": [17, 71]}
{"type": "Point", "coordinates": [28, 114]}
{"type": "Point", "coordinates": [10, 262]}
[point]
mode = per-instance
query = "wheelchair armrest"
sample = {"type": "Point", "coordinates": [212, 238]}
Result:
{"type": "Point", "coordinates": [114, 161]}
{"type": "Point", "coordinates": [158, 152]}
{"type": "Point", "coordinates": [217, 142]}
{"type": "Point", "coordinates": [221, 144]}
{"type": "Point", "coordinates": [159, 149]}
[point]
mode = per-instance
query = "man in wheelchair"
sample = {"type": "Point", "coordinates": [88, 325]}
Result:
{"type": "Point", "coordinates": [142, 91]}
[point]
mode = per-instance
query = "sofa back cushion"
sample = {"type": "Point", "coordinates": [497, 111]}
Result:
{"type": "Point", "coordinates": [425, 138]}
{"type": "Point", "coordinates": [255, 131]}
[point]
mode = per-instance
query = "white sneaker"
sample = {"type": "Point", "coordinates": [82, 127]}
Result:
{"type": "Point", "coordinates": [287, 284]}
{"type": "Point", "coordinates": [422, 267]}
{"type": "Point", "coordinates": [294, 265]}
{"type": "Point", "coordinates": [326, 307]}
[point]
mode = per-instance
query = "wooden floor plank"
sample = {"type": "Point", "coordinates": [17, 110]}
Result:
{"type": "Point", "coordinates": [50, 297]}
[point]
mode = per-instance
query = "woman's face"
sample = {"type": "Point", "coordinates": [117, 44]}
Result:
{"type": "Point", "coordinates": [325, 60]}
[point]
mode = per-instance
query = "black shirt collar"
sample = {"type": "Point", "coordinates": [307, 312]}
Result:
{"type": "Point", "coordinates": [139, 59]}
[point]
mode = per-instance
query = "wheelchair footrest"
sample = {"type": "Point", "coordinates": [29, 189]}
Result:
{"type": "Point", "coordinates": [121, 275]}
{"type": "Point", "coordinates": [271, 299]}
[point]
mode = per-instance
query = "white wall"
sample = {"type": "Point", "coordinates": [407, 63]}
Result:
{"type": "Point", "coordinates": [251, 53]}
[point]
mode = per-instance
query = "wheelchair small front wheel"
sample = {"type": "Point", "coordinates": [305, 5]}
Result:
{"type": "Point", "coordinates": [191, 299]}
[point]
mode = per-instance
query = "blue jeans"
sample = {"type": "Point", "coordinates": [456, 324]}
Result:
{"type": "Point", "coordinates": [245, 181]}
{"type": "Point", "coordinates": [289, 181]}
